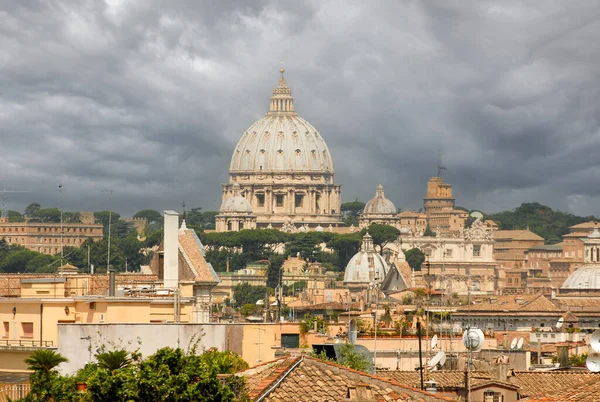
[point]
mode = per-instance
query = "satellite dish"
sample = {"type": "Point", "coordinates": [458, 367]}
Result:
{"type": "Point", "coordinates": [560, 322]}
{"type": "Point", "coordinates": [513, 344]}
{"type": "Point", "coordinates": [595, 340]}
{"type": "Point", "coordinates": [473, 339]}
{"type": "Point", "coordinates": [439, 358]}
{"type": "Point", "coordinates": [520, 343]}
{"type": "Point", "coordinates": [593, 362]}
{"type": "Point", "coordinates": [433, 341]}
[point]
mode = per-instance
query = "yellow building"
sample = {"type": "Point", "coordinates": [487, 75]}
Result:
{"type": "Point", "coordinates": [47, 238]}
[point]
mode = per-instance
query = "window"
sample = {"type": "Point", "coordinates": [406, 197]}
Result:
{"type": "Point", "coordinates": [476, 250]}
{"type": "Point", "coordinates": [260, 199]}
{"type": "Point", "coordinates": [279, 200]}
{"type": "Point", "coordinates": [6, 329]}
{"type": "Point", "coordinates": [241, 225]}
{"type": "Point", "coordinates": [27, 329]}
{"type": "Point", "coordinates": [448, 253]}
{"type": "Point", "coordinates": [491, 396]}
{"type": "Point", "coordinates": [92, 305]}
{"type": "Point", "coordinates": [298, 200]}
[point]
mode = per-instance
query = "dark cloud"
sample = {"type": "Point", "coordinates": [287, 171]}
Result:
{"type": "Point", "coordinates": [149, 98]}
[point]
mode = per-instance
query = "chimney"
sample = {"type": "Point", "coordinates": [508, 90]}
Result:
{"type": "Point", "coordinates": [171, 250]}
{"type": "Point", "coordinates": [563, 355]}
{"type": "Point", "coordinates": [360, 392]}
{"type": "Point", "coordinates": [111, 282]}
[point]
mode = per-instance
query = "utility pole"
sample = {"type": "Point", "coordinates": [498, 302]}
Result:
{"type": "Point", "coordinates": [109, 227]}
{"type": "Point", "coordinates": [420, 354]}
{"type": "Point", "coordinates": [60, 186]}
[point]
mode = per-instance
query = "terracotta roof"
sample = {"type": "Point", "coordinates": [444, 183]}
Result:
{"type": "Point", "coordinates": [514, 303]}
{"type": "Point", "coordinates": [584, 225]}
{"type": "Point", "coordinates": [581, 387]}
{"type": "Point", "coordinates": [516, 235]}
{"type": "Point", "coordinates": [304, 378]}
{"type": "Point", "coordinates": [193, 253]}
{"type": "Point", "coordinates": [529, 382]}
{"type": "Point", "coordinates": [444, 379]}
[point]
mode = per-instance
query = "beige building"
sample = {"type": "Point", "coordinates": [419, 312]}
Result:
{"type": "Point", "coordinates": [439, 207]}
{"type": "Point", "coordinates": [454, 262]}
{"type": "Point", "coordinates": [284, 169]}
{"type": "Point", "coordinates": [512, 245]}
{"type": "Point", "coordinates": [47, 238]}
{"type": "Point", "coordinates": [235, 213]}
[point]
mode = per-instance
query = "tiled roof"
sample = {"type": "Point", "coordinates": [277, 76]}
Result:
{"type": "Point", "coordinates": [584, 225]}
{"type": "Point", "coordinates": [514, 303]}
{"type": "Point", "coordinates": [193, 253]}
{"type": "Point", "coordinates": [582, 387]}
{"type": "Point", "coordinates": [516, 235]}
{"type": "Point", "coordinates": [444, 379]}
{"type": "Point", "coordinates": [297, 379]}
{"type": "Point", "coordinates": [529, 382]}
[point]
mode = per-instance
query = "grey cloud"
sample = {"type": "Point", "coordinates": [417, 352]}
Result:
{"type": "Point", "coordinates": [150, 98]}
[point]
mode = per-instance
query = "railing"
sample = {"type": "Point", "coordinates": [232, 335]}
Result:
{"type": "Point", "coordinates": [14, 391]}
{"type": "Point", "coordinates": [26, 343]}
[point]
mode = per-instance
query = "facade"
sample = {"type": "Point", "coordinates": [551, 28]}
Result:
{"type": "Point", "coordinates": [284, 168]}
{"type": "Point", "coordinates": [456, 261]}
{"type": "Point", "coordinates": [47, 238]}
{"type": "Point", "coordinates": [511, 246]}
{"type": "Point", "coordinates": [586, 279]}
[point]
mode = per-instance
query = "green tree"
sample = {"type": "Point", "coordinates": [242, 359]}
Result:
{"type": "Point", "coordinates": [48, 215]}
{"type": "Point", "coordinates": [154, 218]}
{"type": "Point", "coordinates": [245, 293]}
{"type": "Point", "coordinates": [15, 216]}
{"type": "Point", "coordinates": [428, 232]}
{"type": "Point", "coordinates": [345, 245]}
{"type": "Point", "coordinates": [349, 357]}
{"type": "Point", "coordinates": [274, 271]}
{"type": "Point", "coordinates": [382, 234]}
{"type": "Point", "coordinates": [44, 361]}
{"type": "Point", "coordinates": [351, 211]}
{"type": "Point", "coordinates": [31, 210]}
{"type": "Point", "coordinates": [415, 258]}
{"type": "Point", "coordinates": [113, 360]}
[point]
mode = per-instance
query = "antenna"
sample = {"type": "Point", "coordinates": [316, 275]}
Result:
{"type": "Point", "coordinates": [560, 323]}
{"type": "Point", "coordinates": [434, 341]}
{"type": "Point", "coordinates": [473, 339]}
{"type": "Point", "coordinates": [513, 344]}
{"type": "Point", "coordinates": [440, 167]}
{"type": "Point", "coordinates": [4, 191]}
{"type": "Point", "coordinates": [520, 343]}
{"type": "Point", "coordinates": [438, 359]}
{"type": "Point", "coordinates": [110, 192]}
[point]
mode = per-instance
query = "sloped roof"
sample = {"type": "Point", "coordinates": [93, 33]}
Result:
{"type": "Point", "coordinates": [584, 225]}
{"type": "Point", "coordinates": [304, 378]}
{"type": "Point", "coordinates": [514, 303]}
{"type": "Point", "coordinates": [517, 235]}
{"type": "Point", "coordinates": [529, 382]}
{"type": "Point", "coordinates": [192, 251]}
{"type": "Point", "coordinates": [578, 387]}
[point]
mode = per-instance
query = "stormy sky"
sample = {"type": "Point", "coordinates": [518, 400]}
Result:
{"type": "Point", "coordinates": [149, 98]}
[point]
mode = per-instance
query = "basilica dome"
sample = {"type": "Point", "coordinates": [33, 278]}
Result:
{"type": "Point", "coordinates": [379, 205]}
{"type": "Point", "coordinates": [237, 203]}
{"type": "Point", "coordinates": [367, 265]}
{"type": "Point", "coordinates": [587, 277]}
{"type": "Point", "coordinates": [281, 141]}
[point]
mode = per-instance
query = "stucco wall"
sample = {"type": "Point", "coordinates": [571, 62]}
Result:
{"type": "Point", "coordinates": [240, 338]}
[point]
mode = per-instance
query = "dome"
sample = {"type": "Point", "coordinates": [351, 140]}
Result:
{"type": "Point", "coordinates": [585, 278]}
{"type": "Point", "coordinates": [281, 141]}
{"type": "Point", "coordinates": [236, 203]}
{"type": "Point", "coordinates": [366, 265]}
{"type": "Point", "coordinates": [379, 205]}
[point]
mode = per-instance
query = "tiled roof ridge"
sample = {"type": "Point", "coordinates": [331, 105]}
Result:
{"type": "Point", "coordinates": [268, 384]}
{"type": "Point", "coordinates": [241, 372]}
{"type": "Point", "coordinates": [407, 387]}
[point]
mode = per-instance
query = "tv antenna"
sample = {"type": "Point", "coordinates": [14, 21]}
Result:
{"type": "Point", "coordinates": [440, 166]}
{"type": "Point", "coordinates": [4, 191]}
{"type": "Point", "coordinates": [593, 360]}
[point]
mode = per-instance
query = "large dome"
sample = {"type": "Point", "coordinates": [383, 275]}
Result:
{"type": "Point", "coordinates": [367, 265]}
{"type": "Point", "coordinates": [379, 205]}
{"type": "Point", "coordinates": [281, 141]}
{"type": "Point", "coordinates": [585, 278]}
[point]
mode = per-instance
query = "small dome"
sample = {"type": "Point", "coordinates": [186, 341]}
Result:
{"type": "Point", "coordinates": [236, 203]}
{"type": "Point", "coordinates": [585, 278]}
{"type": "Point", "coordinates": [366, 265]}
{"type": "Point", "coordinates": [379, 205]}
